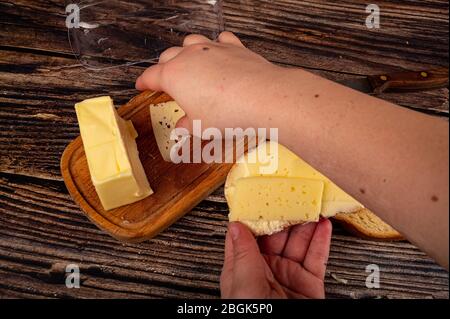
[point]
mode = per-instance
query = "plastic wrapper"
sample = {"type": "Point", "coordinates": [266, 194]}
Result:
{"type": "Point", "coordinates": [117, 33]}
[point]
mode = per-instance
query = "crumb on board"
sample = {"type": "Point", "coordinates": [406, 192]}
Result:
{"type": "Point", "coordinates": [338, 279]}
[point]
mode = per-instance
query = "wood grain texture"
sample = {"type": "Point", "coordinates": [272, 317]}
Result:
{"type": "Point", "coordinates": [42, 230]}
{"type": "Point", "coordinates": [49, 232]}
{"type": "Point", "coordinates": [327, 35]}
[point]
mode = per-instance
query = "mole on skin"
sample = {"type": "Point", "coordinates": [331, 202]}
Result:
{"type": "Point", "coordinates": [434, 198]}
{"type": "Point", "coordinates": [362, 190]}
{"type": "Point", "coordinates": [205, 49]}
{"type": "Point", "coordinates": [316, 96]}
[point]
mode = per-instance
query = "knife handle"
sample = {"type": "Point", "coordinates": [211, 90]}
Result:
{"type": "Point", "coordinates": [409, 81]}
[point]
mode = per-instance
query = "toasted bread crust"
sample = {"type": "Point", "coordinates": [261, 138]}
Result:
{"type": "Point", "coordinates": [366, 224]}
{"type": "Point", "coordinates": [268, 227]}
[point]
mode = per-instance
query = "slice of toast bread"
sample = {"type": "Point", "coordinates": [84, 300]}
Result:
{"type": "Point", "coordinates": [366, 224]}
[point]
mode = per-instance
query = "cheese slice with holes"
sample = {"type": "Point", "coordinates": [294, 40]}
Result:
{"type": "Point", "coordinates": [333, 199]}
{"type": "Point", "coordinates": [164, 118]}
{"type": "Point", "coordinates": [276, 198]}
{"type": "Point", "coordinates": [112, 154]}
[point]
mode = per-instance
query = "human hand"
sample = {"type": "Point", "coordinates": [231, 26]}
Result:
{"type": "Point", "coordinates": [220, 82]}
{"type": "Point", "coordinates": [290, 264]}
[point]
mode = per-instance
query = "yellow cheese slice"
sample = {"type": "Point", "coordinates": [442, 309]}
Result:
{"type": "Point", "coordinates": [289, 165]}
{"type": "Point", "coordinates": [164, 117]}
{"type": "Point", "coordinates": [276, 198]}
{"type": "Point", "coordinates": [112, 155]}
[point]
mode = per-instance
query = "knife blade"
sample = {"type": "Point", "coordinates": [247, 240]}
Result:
{"type": "Point", "coordinates": [402, 82]}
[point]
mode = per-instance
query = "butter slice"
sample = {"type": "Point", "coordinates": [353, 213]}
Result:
{"type": "Point", "coordinates": [112, 155]}
{"type": "Point", "coordinates": [164, 117]}
{"type": "Point", "coordinates": [276, 199]}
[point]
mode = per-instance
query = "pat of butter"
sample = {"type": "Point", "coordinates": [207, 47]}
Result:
{"type": "Point", "coordinates": [276, 198]}
{"type": "Point", "coordinates": [334, 199]}
{"type": "Point", "coordinates": [112, 155]}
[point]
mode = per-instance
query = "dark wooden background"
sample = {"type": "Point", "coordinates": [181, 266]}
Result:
{"type": "Point", "coordinates": [42, 230]}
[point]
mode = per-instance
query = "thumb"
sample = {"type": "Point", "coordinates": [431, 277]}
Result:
{"type": "Point", "coordinates": [248, 264]}
{"type": "Point", "coordinates": [244, 243]}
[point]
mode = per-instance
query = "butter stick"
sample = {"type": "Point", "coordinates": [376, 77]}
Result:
{"type": "Point", "coordinates": [112, 155]}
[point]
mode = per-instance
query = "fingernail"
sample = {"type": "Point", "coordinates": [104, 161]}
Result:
{"type": "Point", "coordinates": [234, 230]}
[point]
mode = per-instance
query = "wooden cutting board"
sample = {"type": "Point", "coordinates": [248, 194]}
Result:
{"type": "Point", "coordinates": [178, 187]}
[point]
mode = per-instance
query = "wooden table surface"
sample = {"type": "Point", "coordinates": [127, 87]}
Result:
{"type": "Point", "coordinates": [42, 230]}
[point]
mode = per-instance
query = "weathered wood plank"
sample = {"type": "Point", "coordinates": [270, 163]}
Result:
{"type": "Point", "coordinates": [42, 231]}
{"type": "Point", "coordinates": [313, 34]}
{"type": "Point", "coordinates": [326, 35]}
{"type": "Point", "coordinates": [37, 94]}
{"type": "Point", "coordinates": [40, 80]}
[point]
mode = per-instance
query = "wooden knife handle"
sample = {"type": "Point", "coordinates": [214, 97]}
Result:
{"type": "Point", "coordinates": [410, 81]}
